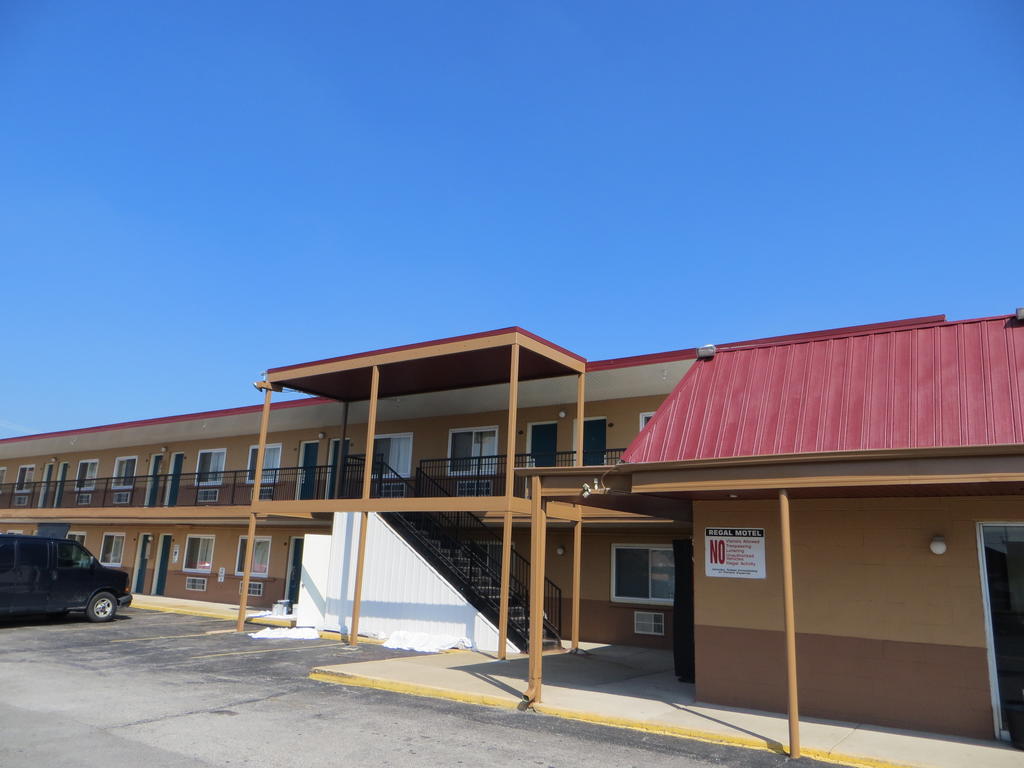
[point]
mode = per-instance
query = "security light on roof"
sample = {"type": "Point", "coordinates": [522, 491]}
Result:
{"type": "Point", "coordinates": [1020, 314]}
{"type": "Point", "coordinates": [706, 352]}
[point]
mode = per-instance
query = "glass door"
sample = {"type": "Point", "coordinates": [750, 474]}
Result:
{"type": "Point", "coordinates": [1004, 576]}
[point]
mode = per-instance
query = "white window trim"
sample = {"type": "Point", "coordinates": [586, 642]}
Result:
{"type": "Point", "coordinates": [199, 455]}
{"type": "Point", "coordinates": [411, 441]}
{"type": "Point", "coordinates": [184, 553]}
{"type": "Point", "coordinates": [83, 534]}
{"type": "Point", "coordinates": [114, 473]}
{"type": "Point", "coordinates": [638, 600]}
{"type": "Point", "coordinates": [270, 551]}
{"type": "Point", "coordinates": [103, 539]}
{"type": "Point", "coordinates": [649, 414]}
{"type": "Point", "coordinates": [89, 485]}
{"type": "Point", "coordinates": [250, 470]}
{"type": "Point", "coordinates": [452, 432]}
{"type": "Point", "coordinates": [3, 477]}
{"type": "Point", "coordinates": [16, 478]}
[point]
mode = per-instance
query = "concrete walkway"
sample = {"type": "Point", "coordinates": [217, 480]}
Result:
{"type": "Point", "coordinates": [636, 688]}
{"type": "Point", "coordinates": [210, 610]}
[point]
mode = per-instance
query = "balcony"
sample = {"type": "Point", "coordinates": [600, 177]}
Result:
{"type": "Point", "coordinates": [433, 478]}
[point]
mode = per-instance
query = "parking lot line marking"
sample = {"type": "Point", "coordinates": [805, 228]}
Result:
{"type": "Point", "coordinates": [169, 637]}
{"type": "Point", "coordinates": [262, 650]}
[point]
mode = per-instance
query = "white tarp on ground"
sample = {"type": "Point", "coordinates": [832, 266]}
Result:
{"type": "Point", "coordinates": [286, 633]}
{"type": "Point", "coordinates": [426, 643]}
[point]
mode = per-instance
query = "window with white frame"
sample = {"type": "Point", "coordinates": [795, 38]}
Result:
{"type": "Point", "coordinates": [112, 549]}
{"type": "Point", "coordinates": [26, 472]}
{"type": "Point", "coordinates": [198, 554]}
{"type": "Point", "coordinates": [473, 451]}
{"type": "Point", "coordinates": [85, 479]}
{"type": "Point", "coordinates": [396, 451]}
{"type": "Point", "coordinates": [255, 588]}
{"type": "Point", "coordinates": [124, 471]}
{"type": "Point", "coordinates": [195, 584]}
{"type": "Point", "coordinates": [643, 574]}
{"type": "Point", "coordinates": [3, 477]}
{"type": "Point", "coordinates": [210, 465]}
{"type": "Point", "coordinates": [271, 463]}
{"type": "Point", "coordinates": [260, 557]}
{"type": "Point", "coordinates": [645, 417]}
{"type": "Point", "coordinates": [78, 536]}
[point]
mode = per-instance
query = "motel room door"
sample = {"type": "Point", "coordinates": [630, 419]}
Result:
{"type": "Point", "coordinates": [543, 443]}
{"type": "Point", "coordinates": [1004, 582]}
{"type": "Point", "coordinates": [682, 611]}
{"type": "Point", "coordinates": [595, 441]}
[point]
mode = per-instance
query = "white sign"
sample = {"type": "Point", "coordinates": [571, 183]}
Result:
{"type": "Point", "coordinates": [734, 553]}
{"type": "Point", "coordinates": [174, 553]}
{"type": "Point", "coordinates": [220, 574]}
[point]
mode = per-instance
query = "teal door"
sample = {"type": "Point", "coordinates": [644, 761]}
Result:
{"type": "Point", "coordinates": [174, 481]}
{"type": "Point", "coordinates": [295, 571]}
{"type": "Point", "coordinates": [140, 572]}
{"type": "Point", "coordinates": [163, 559]}
{"type": "Point", "coordinates": [543, 444]}
{"type": "Point", "coordinates": [58, 491]}
{"type": "Point", "coordinates": [307, 484]}
{"type": "Point", "coordinates": [153, 494]}
{"type": "Point", "coordinates": [595, 435]}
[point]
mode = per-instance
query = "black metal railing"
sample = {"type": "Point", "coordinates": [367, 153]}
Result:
{"type": "Point", "coordinates": [475, 476]}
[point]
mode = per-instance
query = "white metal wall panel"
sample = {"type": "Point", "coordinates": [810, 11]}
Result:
{"type": "Point", "coordinates": [401, 591]}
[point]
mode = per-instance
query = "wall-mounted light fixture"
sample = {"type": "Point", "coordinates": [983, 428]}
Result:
{"type": "Point", "coordinates": [163, 449]}
{"type": "Point", "coordinates": [559, 550]}
{"type": "Point", "coordinates": [561, 414]}
{"type": "Point", "coordinates": [320, 435]}
{"type": "Point", "coordinates": [938, 545]}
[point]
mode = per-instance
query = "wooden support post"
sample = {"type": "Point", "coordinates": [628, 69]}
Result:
{"type": "Point", "coordinates": [580, 410]}
{"type": "Point", "coordinates": [577, 560]}
{"type": "Point", "coordinates": [506, 532]}
{"type": "Point", "coordinates": [790, 620]}
{"type": "Point", "coordinates": [364, 521]}
{"type": "Point", "coordinates": [257, 481]}
{"type": "Point", "coordinates": [538, 549]}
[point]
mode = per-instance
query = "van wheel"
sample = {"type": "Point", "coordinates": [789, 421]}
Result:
{"type": "Point", "coordinates": [102, 607]}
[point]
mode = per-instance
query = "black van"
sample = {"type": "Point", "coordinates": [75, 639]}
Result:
{"type": "Point", "coordinates": [44, 575]}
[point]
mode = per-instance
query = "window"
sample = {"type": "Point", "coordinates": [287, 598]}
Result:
{"type": "Point", "coordinates": [112, 549]}
{"type": "Point", "coordinates": [210, 466]}
{"type": "Point", "coordinates": [85, 480]}
{"type": "Point", "coordinates": [260, 560]}
{"type": "Point", "coordinates": [70, 555]}
{"type": "Point", "coordinates": [124, 471]}
{"type": "Point", "coordinates": [645, 417]}
{"type": "Point", "coordinates": [467, 446]}
{"type": "Point", "coordinates": [3, 477]}
{"type": "Point", "coordinates": [643, 574]}
{"type": "Point", "coordinates": [271, 463]}
{"type": "Point", "coordinates": [195, 584]}
{"type": "Point", "coordinates": [76, 536]}
{"type": "Point", "coordinates": [198, 554]}
{"type": "Point", "coordinates": [255, 588]}
{"type": "Point", "coordinates": [25, 474]}
{"type": "Point", "coordinates": [396, 451]}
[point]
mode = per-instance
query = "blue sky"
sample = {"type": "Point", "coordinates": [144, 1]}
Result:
{"type": "Point", "coordinates": [193, 192]}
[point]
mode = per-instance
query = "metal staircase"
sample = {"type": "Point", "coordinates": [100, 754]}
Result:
{"type": "Point", "coordinates": [468, 554]}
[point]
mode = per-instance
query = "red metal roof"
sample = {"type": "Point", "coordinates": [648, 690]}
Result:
{"type": "Point", "coordinates": [945, 384]}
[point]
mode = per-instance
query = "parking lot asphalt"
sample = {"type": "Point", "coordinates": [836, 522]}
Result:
{"type": "Point", "coordinates": [159, 689]}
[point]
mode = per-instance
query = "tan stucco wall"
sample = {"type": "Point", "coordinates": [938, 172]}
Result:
{"type": "Point", "coordinates": [887, 632]}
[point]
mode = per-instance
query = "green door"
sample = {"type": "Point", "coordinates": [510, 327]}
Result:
{"type": "Point", "coordinates": [295, 572]}
{"type": "Point", "coordinates": [153, 494]}
{"type": "Point", "coordinates": [140, 572]}
{"type": "Point", "coordinates": [543, 444]}
{"type": "Point", "coordinates": [595, 435]}
{"type": "Point", "coordinates": [160, 577]}
{"type": "Point", "coordinates": [307, 484]}
{"type": "Point", "coordinates": [174, 481]}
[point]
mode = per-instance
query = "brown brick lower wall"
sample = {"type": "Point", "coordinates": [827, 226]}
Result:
{"type": "Point", "coordinates": [940, 688]}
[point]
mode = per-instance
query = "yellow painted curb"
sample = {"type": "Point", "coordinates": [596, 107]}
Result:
{"type": "Point", "coordinates": [414, 689]}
